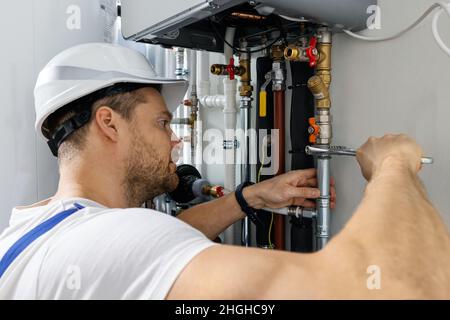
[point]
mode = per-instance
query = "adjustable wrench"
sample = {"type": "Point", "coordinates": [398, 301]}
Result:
{"type": "Point", "coordinates": [344, 151]}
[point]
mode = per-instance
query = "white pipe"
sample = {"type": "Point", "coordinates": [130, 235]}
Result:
{"type": "Point", "coordinates": [229, 112]}
{"type": "Point", "coordinates": [170, 64]}
{"type": "Point", "coordinates": [179, 63]}
{"type": "Point", "coordinates": [218, 101]}
{"type": "Point", "coordinates": [204, 84]}
{"type": "Point", "coordinates": [193, 69]}
{"type": "Point", "coordinates": [229, 37]}
{"type": "Point", "coordinates": [230, 124]}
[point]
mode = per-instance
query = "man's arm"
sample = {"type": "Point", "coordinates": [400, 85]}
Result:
{"type": "Point", "coordinates": [395, 228]}
{"type": "Point", "coordinates": [293, 188]}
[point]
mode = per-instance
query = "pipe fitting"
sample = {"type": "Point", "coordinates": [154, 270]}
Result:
{"type": "Point", "coordinates": [296, 53]}
{"type": "Point", "coordinates": [320, 91]}
{"type": "Point", "coordinates": [223, 70]}
{"type": "Point", "coordinates": [293, 53]}
{"type": "Point", "coordinates": [246, 89]}
{"type": "Point", "coordinates": [324, 47]}
{"type": "Point", "coordinates": [218, 101]}
{"type": "Point", "coordinates": [324, 121]}
{"type": "Point", "coordinates": [278, 76]}
{"type": "Point", "coordinates": [277, 52]}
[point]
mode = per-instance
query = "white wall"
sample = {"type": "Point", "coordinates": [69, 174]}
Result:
{"type": "Point", "coordinates": [396, 86]}
{"type": "Point", "coordinates": [33, 31]}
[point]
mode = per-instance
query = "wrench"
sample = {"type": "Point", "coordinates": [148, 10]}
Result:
{"type": "Point", "coordinates": [344, 151]}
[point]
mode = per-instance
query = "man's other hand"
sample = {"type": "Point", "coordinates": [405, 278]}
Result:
{"type": "Point", "coordinates": [298, 188]}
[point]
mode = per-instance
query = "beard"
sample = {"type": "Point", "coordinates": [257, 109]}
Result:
{"type": "Point", "coordinates": [147, 173]}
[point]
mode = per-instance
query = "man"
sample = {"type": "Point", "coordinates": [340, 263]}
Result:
{"type": "Point", "coordinates": [101, 110]}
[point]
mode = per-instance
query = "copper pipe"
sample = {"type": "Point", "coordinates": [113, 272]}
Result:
{"type": "Point", "coordinates": [248, 16]}
{"type": "Point", "coordinates": [279, 119]}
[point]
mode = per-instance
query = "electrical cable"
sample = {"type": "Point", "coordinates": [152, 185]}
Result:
{"type": "Point", "coordinates": [442, 7]}
{"type": "Point", "coordinates": [258, 179]}
{"type": "Point", "coordinates": [270, 230]}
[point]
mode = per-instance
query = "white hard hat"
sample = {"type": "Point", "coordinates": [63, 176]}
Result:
{"type": "Point", "coordinates": [87, 68]}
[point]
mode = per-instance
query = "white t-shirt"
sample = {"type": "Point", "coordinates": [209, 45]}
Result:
{"type": "Point", "coordinates": [97, 253]}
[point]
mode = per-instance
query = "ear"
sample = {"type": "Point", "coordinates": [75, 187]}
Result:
{"type": "Point", "coordinates": [106, 121]}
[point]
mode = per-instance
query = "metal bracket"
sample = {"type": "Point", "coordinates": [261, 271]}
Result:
{"type": "Point", "coordinates": [230, 144]}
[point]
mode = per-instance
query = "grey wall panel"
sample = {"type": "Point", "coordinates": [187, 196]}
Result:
{"type": "Point", "coordinates": [17, 139]}
{"type": "Point", "coordinates": [33, 32]}
{"type": "Point", "coordinates": [351, 14]}
{"type": "Point", "coordinates": [52, 36]}
{"type": "Point", "coordinates": [396, 86]}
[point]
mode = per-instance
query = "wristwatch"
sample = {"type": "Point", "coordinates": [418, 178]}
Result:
{"type": "Point", "coordinates": [249, 211]}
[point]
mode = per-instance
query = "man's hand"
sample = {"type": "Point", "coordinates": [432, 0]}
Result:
{"type": "Point", "coordinates": [297, 188]}
{"type": "Point", "coordinates": [400, 149]}
{"type": "Point", "coordinates": [293, 188]}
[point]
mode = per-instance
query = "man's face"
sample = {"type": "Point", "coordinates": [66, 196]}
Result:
{"type": "Point", "coordinates": [150, 170]}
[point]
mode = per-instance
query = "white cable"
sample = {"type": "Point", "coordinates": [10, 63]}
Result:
{"type": "Point", "coordinates": [443, 7]}
{"type": "Point", "coordinates": [436, 35]}
{"type": "Point", "coordinates": [418, 21]}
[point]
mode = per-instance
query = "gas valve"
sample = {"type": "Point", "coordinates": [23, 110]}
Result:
{"type": "Point", "coordinates": [227, 70]}
{"type": "Point", "coordinates": [312, 52]}
{"type": "Point", "coordinates": [302, 53]}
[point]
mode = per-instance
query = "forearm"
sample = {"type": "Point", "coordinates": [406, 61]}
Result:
{"type": "Point", "coordinates": [213, 217]}
{"type": "Point", "coordinates": [396, 209]}
{"type": "Point", "coordinates": [397, 229]}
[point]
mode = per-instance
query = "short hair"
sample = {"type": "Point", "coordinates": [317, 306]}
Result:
{"type": "Point", "coordinates": [122, 98]}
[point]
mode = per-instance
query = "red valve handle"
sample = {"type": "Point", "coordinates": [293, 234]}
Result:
{"type": "Point", "coordinates": [220, 192]}
{"type": "Point", "coordinates": [230, 69]}
{"type": "Point", "coordinates": [311, 52]}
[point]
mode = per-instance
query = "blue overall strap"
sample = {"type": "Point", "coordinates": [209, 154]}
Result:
{"type": "Point", "coordinates": [32, 235]}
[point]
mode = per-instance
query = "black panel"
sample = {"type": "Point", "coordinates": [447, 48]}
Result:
{"type": "Point", "coordinates": [302, 109]}
{"type": "Point", "coordinates": [263, 65]}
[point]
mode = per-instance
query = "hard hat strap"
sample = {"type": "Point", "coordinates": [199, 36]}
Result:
{"type": "Point", "coordinates": [67, 128]}
{"type": "Point", "coordinates": [84, 116]}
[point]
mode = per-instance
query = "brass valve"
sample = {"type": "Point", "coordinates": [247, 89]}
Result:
{"type": "Point", "coordinates": [224, 70]}
{"type": "Point", "coordinates": [213, 191]}
{"type": "Point", "coordinates": [320, 91]}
